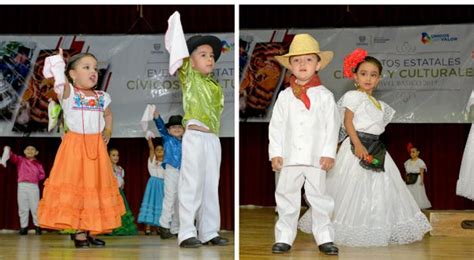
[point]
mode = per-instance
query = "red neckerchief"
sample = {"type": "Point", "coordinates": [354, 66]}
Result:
{"type": "Point", "coordinates": [300, 90]}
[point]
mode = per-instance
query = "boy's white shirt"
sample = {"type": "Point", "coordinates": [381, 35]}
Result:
{"type": "Point", "coordinates": [301, 136]}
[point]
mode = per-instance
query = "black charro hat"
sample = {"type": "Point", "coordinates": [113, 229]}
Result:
{"type": "Point", "coordinates": [198, 40]}
{"type": "Point", "coordinates": [174, 120]}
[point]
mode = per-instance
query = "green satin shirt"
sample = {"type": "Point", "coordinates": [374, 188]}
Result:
{"type": "Point", "coordinates": [203, 98]}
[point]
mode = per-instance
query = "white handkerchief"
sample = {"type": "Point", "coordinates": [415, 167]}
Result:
{"type": "Point", "coordinates": [149, 134]}
{"type": "Point", "coordinates": [175, 42]}
{"type": "Point", "coordinates": [5, 156]}
{"type": "Point", "coordinates": [147, 116]}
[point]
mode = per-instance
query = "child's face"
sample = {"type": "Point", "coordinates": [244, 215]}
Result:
{"type": "Point", "coordinates": [304, 67]}
{"type": "Point", "coordinates": [368, 76]}
{"type": "Point", "coordinates": [159, 151]}
{"type": "Point", "coordinates": [202, 59]}
{"type": "Point", "coordinates": [176, 131]}
{"type": "Point", "coordinates": [30, 152]}
{"type": "Point", "coordinates": [85, 73]}
{"type": "Point", "coordinates": [414, 153]}
{"type": "Point", "coordinates": [114, 156]}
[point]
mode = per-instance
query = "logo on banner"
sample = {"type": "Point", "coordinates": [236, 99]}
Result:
{"type": "Point", "coordinates": [226, 46]}
{"type": "Point", "coordinates": [157, 48]}
{"type": "Point", "coordinates": [362, 41]}
{"type": "Point", "coordinates": [427, 38]}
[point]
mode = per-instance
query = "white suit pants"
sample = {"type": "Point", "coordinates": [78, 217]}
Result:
{"type": "Point", "coordinates": [28, 198]}
{"type": "Point", "coordinates": [198, 186]}
{"type": "Point", "coordinates": [169, 215]}
{"type": "Point", "coordinates": [288, 199]}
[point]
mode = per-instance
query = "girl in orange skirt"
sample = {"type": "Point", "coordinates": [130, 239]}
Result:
{"type": "Point", "coordinates": [81, 192]}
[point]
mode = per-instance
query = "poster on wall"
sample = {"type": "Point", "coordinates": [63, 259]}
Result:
{"type": "Point", "coordinates": [427, 74]}
{"type": "Point", "coordinates": [132, 69]}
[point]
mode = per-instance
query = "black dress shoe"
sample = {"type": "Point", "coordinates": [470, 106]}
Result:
{"type": "Point", "coordinates": [329, 248]}
{"type": "Point", "coordinates": [467, 224]}
{"type": "Point", "coordinates": [95, 241]}
{"type": "Point", "coordinates": [191, 242]}
{"type": "Point", "coordinates": [23, 231]}
{"type": "Point", "coordinates": [165, 233]}
{"type": "Point", "coordinates": [217, 241]}
{"type": "Point", "coordinates": [38, 231]}
{"type": "Point", "coordinates": [280, 248]}
{"type": "Point", "coordinates": [80, 243]}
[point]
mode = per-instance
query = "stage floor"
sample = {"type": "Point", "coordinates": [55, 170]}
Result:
{"type": "Point", "coordinates": [55, 246]}
{"type": "Point", "coordinates": [257, 238]}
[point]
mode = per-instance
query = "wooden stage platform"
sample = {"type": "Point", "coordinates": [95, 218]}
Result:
{"type": "Point", "coordinates": [257, 238]}
{"type": "Point", "coordinates": [55, 246]}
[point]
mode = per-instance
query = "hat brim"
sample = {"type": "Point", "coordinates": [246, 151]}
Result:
{"type": "Point", "coordinates": [326, 58]}
{"type": "Point", "coordinates": [210, 40]}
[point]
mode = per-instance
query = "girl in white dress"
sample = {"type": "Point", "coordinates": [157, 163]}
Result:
{"type": "Point", "coordinates": [415, 169]}
{"type": "Point", "coordinates": [373, 206]}
{"type": "Point", "coordinates": [465, 185]}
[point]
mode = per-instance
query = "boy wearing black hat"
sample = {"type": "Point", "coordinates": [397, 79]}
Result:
{"type": "Point", "coordinates": [203, 103]}
{"type": "Point", "coordinates": [172, 134]}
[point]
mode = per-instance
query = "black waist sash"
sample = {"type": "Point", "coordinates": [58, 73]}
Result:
{"type": "Point", "coordinates": [375, 148]}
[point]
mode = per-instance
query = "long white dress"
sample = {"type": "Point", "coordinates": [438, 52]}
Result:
{"type": "Point", "coordinates": [371, 208]}
{"type": "Point", "coordinates": [465, 184]}
{"type": "Point", "coordinates": [417, 189]}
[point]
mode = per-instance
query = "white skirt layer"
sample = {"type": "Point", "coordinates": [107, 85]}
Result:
{"type": "Point", "coordinates": [371, 208]}
{"type": "Point", "coordinates": [465, 184]}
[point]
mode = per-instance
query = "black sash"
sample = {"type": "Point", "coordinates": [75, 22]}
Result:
{"type": "Point", "coordinates": [375, 148]}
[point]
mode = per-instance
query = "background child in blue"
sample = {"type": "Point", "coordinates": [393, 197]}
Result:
{"type": "Point", "coordinates": [171, 133]}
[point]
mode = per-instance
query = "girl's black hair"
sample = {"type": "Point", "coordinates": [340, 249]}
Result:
{"type": "Point", "coordinates": [372, 60]}
{"type": "Point", "coordinates": [72, 62]}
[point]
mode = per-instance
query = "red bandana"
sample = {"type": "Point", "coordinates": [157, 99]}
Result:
{"type": "Point", "coordinates": [300, 91]}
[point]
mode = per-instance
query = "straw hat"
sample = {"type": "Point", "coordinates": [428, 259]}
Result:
{"type": "Point", "coordinates": [305, 44]}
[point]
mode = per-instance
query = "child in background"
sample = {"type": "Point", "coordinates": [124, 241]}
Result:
{"type": "Point", "coordinates": [203, 103]}
{"type": "Point", "coordinates": [171, 133]}
{"type": "Point", "coordinates": [30, 173]}
{"type": "Point", "coordinates": [152, 203]}
{"type": "Point", "coordinates": [82, 173]}
{"type": "Point", "coordinates": [128, 226]}
{"type": "Point", "coordinates": [303, 138]}
{"type": "Point", "coordinates": [415, 169]}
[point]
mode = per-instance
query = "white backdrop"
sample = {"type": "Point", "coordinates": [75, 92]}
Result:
{"type": "Point", "coordinates": [428, 70]}
{"type": "Point", "coordinates": [135, 73]}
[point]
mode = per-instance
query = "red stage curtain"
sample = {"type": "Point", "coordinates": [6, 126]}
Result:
{"type": "Point", "coordinates": [441, 145]}
{"type": "Point", "coordinates": [133, 156]}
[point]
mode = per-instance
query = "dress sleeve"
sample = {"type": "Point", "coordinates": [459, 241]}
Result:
{"type": "Point", "coordinates": [388, 113]}
{"type": "Point", "coordinates": [351, 100]}
{"type": "Point", "coordinates": [107, 99]}
{"type": "Point", "coordinates": [422, 165]}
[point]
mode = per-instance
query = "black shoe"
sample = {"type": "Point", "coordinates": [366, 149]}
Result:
{"type": "Point", "coordinates": [217, 241]}
{"type": "Point", "coordinates": [467, 224]}
{"type": "Point", "coordinates": [329, 248]}
{"type": "Point", "coordinates": [80, 243]}
{"type": "Point", "coordinates": [191, 242]}
{"type": "Point", "coordinates": [147, 232]}
{"type": "Point", "coordinates": [23, 231]}
{"type": "Point", "coordinates": [165, 233]}
{"type": "Point", "coordinates": [38, 231]}
{"type": "Point", "coordinates": [280, 248]}
{"type": "Point", "coordinates": [95, 241]}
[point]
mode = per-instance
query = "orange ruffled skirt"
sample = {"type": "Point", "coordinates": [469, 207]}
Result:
{"type": "Point", "coordinates": [81, 191]}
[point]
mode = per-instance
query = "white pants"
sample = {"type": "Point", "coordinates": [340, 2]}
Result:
{"type": "Point", "coordinates": [28, 198]}
{"type": "Point", "coordinates": [198, 186]}
{"type": "Point", "coordinates": [169, 214]}
{"type": "Point", "coordinates": [288, 199]}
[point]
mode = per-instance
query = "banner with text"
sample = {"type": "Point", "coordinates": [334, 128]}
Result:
{"type": "Point", "coordinates": [427, 72]}
{"type": "Point", "coordinates": [132, 69]}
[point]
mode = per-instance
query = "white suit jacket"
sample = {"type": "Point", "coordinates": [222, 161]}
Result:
{"type": "Point", "coordinates": [303, 136]}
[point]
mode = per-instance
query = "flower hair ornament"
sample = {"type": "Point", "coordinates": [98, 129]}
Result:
{"type": "Point", "coordinates": [352, 60]}
{"type": "Point", "coordinates": [409, 147]}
